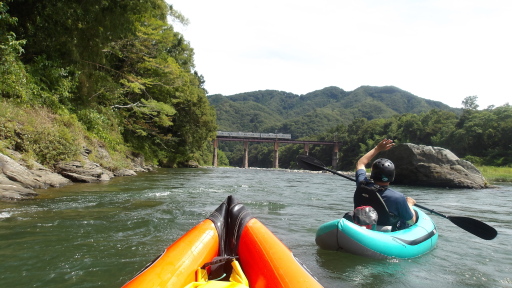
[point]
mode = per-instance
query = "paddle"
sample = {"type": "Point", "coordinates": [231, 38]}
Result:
{"type": "Point", "coordinates": [309, 163]}
{"type": "Point", "coordinates": [473, 226]}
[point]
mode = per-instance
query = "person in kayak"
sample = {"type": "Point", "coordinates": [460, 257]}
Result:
{"type": "Point", "coordinates": [396, 210]}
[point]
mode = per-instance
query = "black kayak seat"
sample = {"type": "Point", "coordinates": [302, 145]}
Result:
{"type": "Point", "coordinates": [370, 196]}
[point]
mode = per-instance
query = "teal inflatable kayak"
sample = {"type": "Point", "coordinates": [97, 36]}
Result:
{"type": "Point", "coordinates": [411, 242]}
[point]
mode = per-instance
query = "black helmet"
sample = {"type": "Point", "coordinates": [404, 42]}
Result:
{"type": "Point", "coordinates": [383, 170]}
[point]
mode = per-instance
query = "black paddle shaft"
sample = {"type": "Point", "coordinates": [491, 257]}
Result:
{"type": "Point", "coordinates": [473, 226]}
{"type": "Point", "coordinates": [310, 163]}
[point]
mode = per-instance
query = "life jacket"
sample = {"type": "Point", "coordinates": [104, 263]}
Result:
{"type": "Point", "coordinates": [369, 196]}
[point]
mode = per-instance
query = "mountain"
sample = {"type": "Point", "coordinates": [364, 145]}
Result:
{"type": "Point", "coordinates": [312, 113]}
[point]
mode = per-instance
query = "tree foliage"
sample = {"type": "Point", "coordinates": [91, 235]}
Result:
{"type": "Point", "coordinates": [316, 111]}
{"type": "Point", "coordinates": [117, 65]}
{"type": "Point", "coordinates": [481, 136]}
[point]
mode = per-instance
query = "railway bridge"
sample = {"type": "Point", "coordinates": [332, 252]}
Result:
{"type": "Point", "coordinates": [275, 138]}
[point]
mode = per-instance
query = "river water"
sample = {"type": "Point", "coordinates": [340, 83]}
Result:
{"type": "Point", "coordinates": [100, 235]}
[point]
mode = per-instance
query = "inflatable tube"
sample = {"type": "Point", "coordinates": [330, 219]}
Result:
{"type": "Point", "coordinates": [267, 262]}
{"type": "Point", "coordinates": [344, 235]}
{"type": "Point", "coordinates": [176, 267]}
{"type": "Point", "coordinates": [230, 234]}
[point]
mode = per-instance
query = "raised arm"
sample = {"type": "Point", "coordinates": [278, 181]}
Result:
{"type": "Point", "coordinates": [385, 144]}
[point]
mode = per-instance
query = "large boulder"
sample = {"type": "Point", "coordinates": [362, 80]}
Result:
{"type": "Point", "coordinates": [15, 172]}
{"type": "Point", "coordinates": [84, 171]}
{"type": "Point", "coordinates": [13, 191]}
{"type": "Point", "coordinates": [432, 166]}
{"type": "Point", "coordinates": [17, 181]}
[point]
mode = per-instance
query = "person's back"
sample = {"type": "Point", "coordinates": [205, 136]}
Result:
{"type": "Point", "coordinates": [383, 172]}
{"type": "Point", "coordinates": [368, 194]}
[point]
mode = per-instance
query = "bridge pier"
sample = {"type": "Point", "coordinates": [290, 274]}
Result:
{"type": "Point", "coordinates": [215, 152]}
{"type": "Point", "coordinates": [334, 156]}
{"type": "Point", "coordinates": [276, 141]}
{"type": "Point", "coordinates": [276, 155]}
{"type": "Point", "coordinates": [246, 154]}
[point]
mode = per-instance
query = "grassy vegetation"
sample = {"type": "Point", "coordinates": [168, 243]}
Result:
{"type": "Point", "coordinates": [496, 174]}
{"type": "Point", "coordinates": [48, 138]}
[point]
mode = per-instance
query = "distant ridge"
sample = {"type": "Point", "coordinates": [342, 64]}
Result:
{"type": "Point", "coordinates": [314, 112]}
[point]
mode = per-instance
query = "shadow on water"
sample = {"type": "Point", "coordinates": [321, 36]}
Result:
{"type": "Point", "coordinates": [356, 271]}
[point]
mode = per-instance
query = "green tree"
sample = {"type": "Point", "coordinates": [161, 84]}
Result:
{"type": "Point", "coordinates": [437, 126]}
{"type": "Point", "coordinates": [13, 78]}
{"type": "Point", "coordinates": [156, 65]}
{"type": "Point", "coordinates": [469, 103]}
{"type": "Point", "coordinates": [118, 65]}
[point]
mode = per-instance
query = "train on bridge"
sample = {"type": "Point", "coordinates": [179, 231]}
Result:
{"type": "Point", "coordinates": [254, 135]}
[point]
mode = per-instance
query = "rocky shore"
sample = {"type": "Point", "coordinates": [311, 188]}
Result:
{"type": "Point", "coordinates": [416, 165]}
{"type": "Point", "coordinates": [18, 180]}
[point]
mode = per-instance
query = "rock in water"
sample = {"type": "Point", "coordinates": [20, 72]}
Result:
{"type": "Point", "coordinates": [432, 166]}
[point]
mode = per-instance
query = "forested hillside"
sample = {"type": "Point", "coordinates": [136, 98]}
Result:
{"type": "Point", "coordinates": [101, 73]}
{"type": "Point", "coordinates": [358, 120]}
{"type": "Point", "coordinates": [304, 115]}
{"type": "Point", "coordinates": [81, 77]}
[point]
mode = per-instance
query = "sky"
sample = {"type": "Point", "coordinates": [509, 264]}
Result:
{"type": "Point", "coordinates": [443, 50]}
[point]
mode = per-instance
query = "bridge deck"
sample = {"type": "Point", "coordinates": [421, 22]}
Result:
{"type": "Point", "coordinates": [278, 140]}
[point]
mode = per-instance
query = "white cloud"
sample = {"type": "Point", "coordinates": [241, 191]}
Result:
{"type": "Point", "coordinates": [443, 50]}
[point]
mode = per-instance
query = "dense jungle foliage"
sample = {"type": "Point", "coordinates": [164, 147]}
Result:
{"type": "Point", "coordinates": [358, 120]}
{"type": "Point", "coordinates": [111, 74]}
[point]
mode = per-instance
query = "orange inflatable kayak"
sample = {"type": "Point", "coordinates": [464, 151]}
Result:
{"type": "Point", "coordinates": [228, 249]}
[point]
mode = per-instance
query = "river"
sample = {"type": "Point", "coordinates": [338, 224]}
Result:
{"type": "Point", "coordinates": [100, 235]}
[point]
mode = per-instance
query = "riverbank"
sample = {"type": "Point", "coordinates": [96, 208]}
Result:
{"type": "Point", "coordinates": [496, 174]}
{"type": "Point", "coordinates": [40, 149]}
{"type": "Point", "coordinates": [18, 180]}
